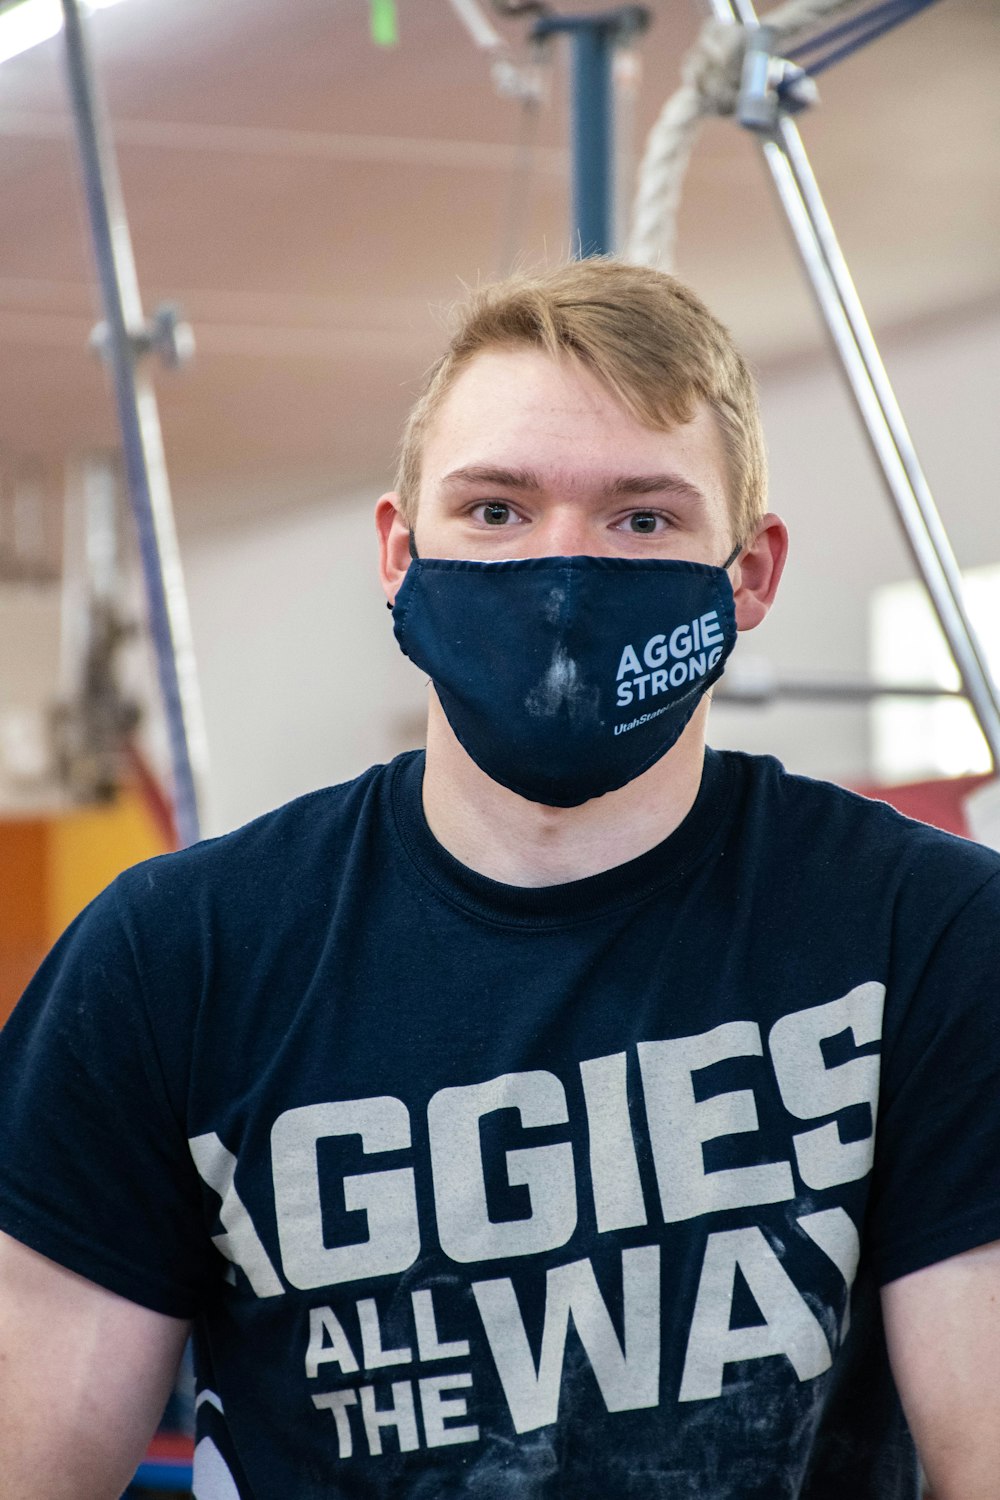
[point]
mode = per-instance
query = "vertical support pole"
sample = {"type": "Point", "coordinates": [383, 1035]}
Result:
{"type": "Point", "coordinates": [880, 413]}
{"type": "Point", "coordinates": [592, 139]}
{"type": "Point", "coordinates": [593, 40]}
{"type": "Point", "coordinates": [142, 442]}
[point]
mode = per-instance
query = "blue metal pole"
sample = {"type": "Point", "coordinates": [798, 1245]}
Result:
{"type": "Point", "coordinates": [592, 140]}
{"type": "Point", "coordinates": [593, 39]}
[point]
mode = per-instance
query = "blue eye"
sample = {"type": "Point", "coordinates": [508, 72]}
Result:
{"type": "Point", "coordinates": [643, 522]}
{"type": "Point", "coordinates": [495, 513]}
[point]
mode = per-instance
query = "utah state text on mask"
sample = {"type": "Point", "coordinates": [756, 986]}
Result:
{"type": "Point", "coordinates": [691, 650]}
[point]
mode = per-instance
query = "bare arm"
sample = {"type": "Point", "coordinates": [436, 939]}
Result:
{"type": "Point", "coordinates": [84, 1377]}
{"type": "Point", "coordinates": [943, 1331]}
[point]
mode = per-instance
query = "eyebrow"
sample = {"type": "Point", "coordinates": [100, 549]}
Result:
{"type": "Point", "coordinates": [527, 479]}
{"type": "Point", "coordinates": [658, 484]}
{"type": "Point", "coordinates": [508, 479]}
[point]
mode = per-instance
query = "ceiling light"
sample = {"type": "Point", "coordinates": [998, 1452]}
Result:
{"type": "Point", "coordinates": [28, 22]}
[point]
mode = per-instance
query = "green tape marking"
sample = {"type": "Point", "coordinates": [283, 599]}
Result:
{"type": "Point", "coordinates": [385, 26]}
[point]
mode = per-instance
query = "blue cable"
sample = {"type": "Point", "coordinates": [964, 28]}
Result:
{"type": "Point", "coordinates": [887, 9]}
{"type": "Point", "coordinates": [870, 25]}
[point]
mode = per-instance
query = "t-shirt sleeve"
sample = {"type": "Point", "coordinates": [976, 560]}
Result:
{"type": "Point", "coordinates": [95, 1172]}
{"type": "Point", "coordinates": [937, 1160]}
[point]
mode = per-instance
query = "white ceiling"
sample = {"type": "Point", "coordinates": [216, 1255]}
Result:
{"type": "Point", "coordinates": [313, 201]}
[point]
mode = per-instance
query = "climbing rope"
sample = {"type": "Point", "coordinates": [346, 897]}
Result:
{"type": "Point", "coordinates": [711, 79]}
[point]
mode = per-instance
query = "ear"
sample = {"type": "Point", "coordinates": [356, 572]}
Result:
{"type": "Point", "coordinates": [757, 572]}
{"type": "Point", "coordinates": [393, 544]}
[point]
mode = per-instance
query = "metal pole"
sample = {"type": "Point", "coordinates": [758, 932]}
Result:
{"type": "Point", "coordinates": [855, 345]}
{"type": "Point", "coordinates": [592, 132]}
{"type": "Point", "coordinates": [142, 442]}
{"type": "Point", "coordinates": [593, 39]}
{"type": "Point", "coordinates": [755, 693]}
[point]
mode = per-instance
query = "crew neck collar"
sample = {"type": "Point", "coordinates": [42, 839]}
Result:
{"type": "Point", "coordinates": [696, 838]}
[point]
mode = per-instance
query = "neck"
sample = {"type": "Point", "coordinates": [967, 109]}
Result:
{"type": "Point", "coordinates": [504, 836]}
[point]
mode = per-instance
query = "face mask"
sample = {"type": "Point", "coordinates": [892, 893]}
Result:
{"type": "Point", "coordinates": [567, 677]}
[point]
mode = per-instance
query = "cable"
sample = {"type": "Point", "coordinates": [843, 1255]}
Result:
{"type": "Point", "coordinates": [861, 30]}
{"type": "Point", "coordinates": [887, 9]}
{"type": "Point", "coordinates": [521, 7]}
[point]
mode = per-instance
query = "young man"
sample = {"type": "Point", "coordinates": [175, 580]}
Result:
{"type": "Point", "coordinates": [571, 1111]}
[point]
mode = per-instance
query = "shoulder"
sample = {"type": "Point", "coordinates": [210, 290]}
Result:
{"type": "Point", "coordinates": [281, 871]}
{"type": "Point", "coordinates": [317, 827]}
{"type": "Point", "coordinates": [822, 827]}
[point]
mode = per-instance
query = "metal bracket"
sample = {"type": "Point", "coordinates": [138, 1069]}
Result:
{"type": "Point", "coordinates": [770, 85]}
{"type": "Point", "coordinates": [165, 334]}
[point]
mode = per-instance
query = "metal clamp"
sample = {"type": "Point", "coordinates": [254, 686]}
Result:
{"type": "Point", "coordinates": [770, 86]}
{"type": "Point", "coordinates": [165, 334]}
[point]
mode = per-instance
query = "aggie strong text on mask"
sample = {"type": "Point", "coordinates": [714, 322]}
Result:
{"type": "Point", "coordinates": [692, 650]}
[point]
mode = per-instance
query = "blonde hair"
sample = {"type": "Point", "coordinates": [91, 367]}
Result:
{"type": "Point", "coordinates": [646, 336]}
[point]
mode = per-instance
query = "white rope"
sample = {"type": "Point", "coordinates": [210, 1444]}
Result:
{"type": "Point", "coordinates": [710, 85]}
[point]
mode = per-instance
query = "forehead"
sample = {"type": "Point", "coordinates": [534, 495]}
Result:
{"type": "Point", "coordinates": [520, 408]}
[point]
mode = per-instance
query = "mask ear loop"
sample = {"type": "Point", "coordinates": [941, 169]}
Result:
{"type": "Point", "coordinates": [727, 564]}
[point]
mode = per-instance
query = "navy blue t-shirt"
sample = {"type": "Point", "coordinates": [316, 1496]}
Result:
{"type": "Point", "coordinates": [473, 1190]}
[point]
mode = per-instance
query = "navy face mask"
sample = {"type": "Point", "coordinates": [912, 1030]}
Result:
{"type": "Point", "coordinates": [567, 677]}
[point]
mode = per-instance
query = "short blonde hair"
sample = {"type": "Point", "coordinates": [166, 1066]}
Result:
{"type": "Point", "coordinates": [645, 335]}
